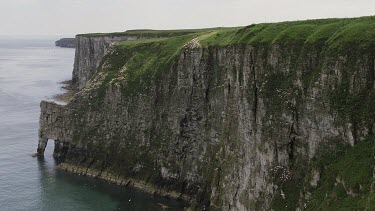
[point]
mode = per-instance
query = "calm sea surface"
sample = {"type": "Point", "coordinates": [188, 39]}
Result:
{"type": "Point", "coordinates": [29, 72]}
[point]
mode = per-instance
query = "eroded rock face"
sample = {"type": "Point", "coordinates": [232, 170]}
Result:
{"type": "Point", "coordinates": [213, 128]}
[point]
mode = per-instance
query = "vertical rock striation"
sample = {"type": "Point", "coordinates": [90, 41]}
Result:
{"type": "Point", "coordinates": [229, 126]}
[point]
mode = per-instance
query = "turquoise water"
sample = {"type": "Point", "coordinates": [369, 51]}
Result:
{"type": "Point", "coordinates": [29, 72]}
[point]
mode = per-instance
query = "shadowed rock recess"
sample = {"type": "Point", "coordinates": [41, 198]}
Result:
{"type": "Point", "coordinates": [270, 116]}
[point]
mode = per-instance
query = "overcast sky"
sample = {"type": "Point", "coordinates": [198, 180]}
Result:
{"type": "Point", "coordinates": [70, 17]}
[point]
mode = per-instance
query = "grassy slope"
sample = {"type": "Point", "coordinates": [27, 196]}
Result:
{"type": "Point", "coordinates": [336, 35]}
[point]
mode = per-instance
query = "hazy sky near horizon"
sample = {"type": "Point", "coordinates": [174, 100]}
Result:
{"type": "Point", "coordinates": [70, 17]}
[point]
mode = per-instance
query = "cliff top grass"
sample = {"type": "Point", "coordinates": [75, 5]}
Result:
{"type": "Point", "coordinates": [151, 33]}
{"type": "Point", "coordinates": [336, 35]}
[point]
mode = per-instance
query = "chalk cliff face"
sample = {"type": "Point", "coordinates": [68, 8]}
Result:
{"type": "Point", "coordinates": [229, 127]}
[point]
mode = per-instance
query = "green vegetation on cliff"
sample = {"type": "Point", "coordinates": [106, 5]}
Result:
{"type": "Point", "coordinates": [346, 181]}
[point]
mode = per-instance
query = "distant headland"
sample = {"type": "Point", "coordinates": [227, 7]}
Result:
{"type": "Point", "coordinates": [66, 43]}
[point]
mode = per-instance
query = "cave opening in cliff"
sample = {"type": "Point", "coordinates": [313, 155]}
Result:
{"type": "Point", "coordinates": [50, 146]}
{"type": "Point", "coordinates": [51, 150]}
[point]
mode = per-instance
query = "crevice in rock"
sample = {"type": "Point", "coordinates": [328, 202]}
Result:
{"type": "Point", "coordinates": [91, 163]}
{"type": "Point", "coordinates": [255, 90]}
{"type": "Point", "coordinates": [355, 131]}
{"type": "Point", "coordinates": [276, 151]}
{"type": "Point", "coordinates": [371, 73]}
{"type": "Point", "coordinates": [255, 103]}
{"type": "Point", "coordinates": [291, 143]}
{"type": "Point", "coordinates": [291, 149]}
{"type": "Point", "coordinates": [207, 92]}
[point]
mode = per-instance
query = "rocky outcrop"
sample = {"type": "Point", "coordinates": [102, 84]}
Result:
{"type": "Point", "coordinates": [66, 43]}
{"type": "Point", "coordinates": [54, 125]}
{"type": "Point", "coordinates": [214, 124]}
